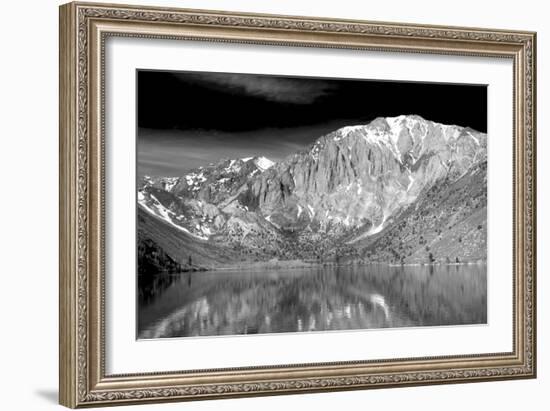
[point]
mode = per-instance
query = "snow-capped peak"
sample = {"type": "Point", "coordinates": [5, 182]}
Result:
{"type": "Point", "coordinates": [370, 135]}
{"type": "Point", "coordinates": [263, 163]}
{"type": "Point", "coordinates": [345, 131]}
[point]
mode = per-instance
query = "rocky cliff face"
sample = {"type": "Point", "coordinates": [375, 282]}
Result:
{"type": "Point", "coordinates": [348, 189]}
{"type": "Point", "coordinates": [364, 174]}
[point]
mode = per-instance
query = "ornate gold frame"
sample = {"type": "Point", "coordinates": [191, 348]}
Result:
{"type": "Point", "coordinates": [83, 30]}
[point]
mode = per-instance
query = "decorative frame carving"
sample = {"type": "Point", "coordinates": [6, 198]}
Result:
{"type": "Point", "coordinates": [83, 30]}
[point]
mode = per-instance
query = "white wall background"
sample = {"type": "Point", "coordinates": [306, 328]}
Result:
{"type": "Point", "coordinates": [28, 203]}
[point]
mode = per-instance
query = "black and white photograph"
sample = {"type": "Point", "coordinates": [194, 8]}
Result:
{"type": "Point", "coordinates": [277, 204]}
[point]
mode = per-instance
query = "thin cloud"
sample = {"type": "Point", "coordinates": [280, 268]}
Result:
{"type": "Point", "coordinates": [275, 89]}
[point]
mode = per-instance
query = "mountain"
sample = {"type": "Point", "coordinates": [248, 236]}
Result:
{"type": "Point", "coordinates": [399, 189]}
{"type": "Point", "coordinates": [447, 223]}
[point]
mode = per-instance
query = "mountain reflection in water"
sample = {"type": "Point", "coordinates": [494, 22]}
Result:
{"type": "Point", "coordinates": [310, 299]}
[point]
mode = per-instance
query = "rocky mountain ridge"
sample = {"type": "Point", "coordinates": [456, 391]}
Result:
{"type": "Point", "coordinates": [339, 198]}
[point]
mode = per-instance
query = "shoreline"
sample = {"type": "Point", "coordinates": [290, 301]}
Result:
{"type": "Point", "coordinates": [288, 264]}
{"type": "Point", "coordinates": [267, 265]}
{"type": "Point", "coordinates": [291, 264]}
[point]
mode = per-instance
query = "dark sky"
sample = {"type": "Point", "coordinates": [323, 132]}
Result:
{"type": "Point", "coordinates": [189, 119]}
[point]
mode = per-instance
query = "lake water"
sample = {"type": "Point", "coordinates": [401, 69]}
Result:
{"type": "Point", "coordinates": [311, 299]}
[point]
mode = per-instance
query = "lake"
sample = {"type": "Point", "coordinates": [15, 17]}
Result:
{"type": "Point", "coordinates": [316, 298]}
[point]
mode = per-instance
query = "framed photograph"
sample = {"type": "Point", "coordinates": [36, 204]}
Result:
{"type": "Point", "coordinates": [258, 204]}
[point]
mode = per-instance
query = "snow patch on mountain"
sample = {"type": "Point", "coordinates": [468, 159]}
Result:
{"type": "Point", "coordinates": [264, 163]}
{"type": "Point", "coordinates": [372, 136]}
{"type": "Point", "coordinates": [396, 126]}
{"type": "Point", "coordinates": [170, 182]}
{"type": "Point", "coordinates": [346, 131]}
{"type": "Point", "coordinates": [411, 181]}
{"type": "Point", "coordinates": [473, 138]}
{"type": "Point", "coordinates": [378, 228]}
{"type": "Point", "coordinates": [161, 212]}
{"type": "Point", "coordinates": [194, 180]}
